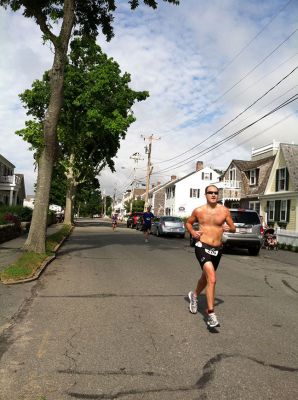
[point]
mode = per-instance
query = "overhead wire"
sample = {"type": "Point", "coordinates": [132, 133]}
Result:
{"type": "Point", "coordinates": [233, 119]}
{"type": "Point", "coordinates": [234, 85]}
{"type": "Point", "coordinates": [212, 147]}
{"type": "Point", "coordinates": [253, 39]}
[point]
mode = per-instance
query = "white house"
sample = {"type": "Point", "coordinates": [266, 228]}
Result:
{"type": "Point", "coordinates": [183, 195]}
{"type": "Point", "coordinates": [12, 188]}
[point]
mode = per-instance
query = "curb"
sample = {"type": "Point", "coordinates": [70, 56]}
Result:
{"type": "Point", "coordinates": [42, 267]}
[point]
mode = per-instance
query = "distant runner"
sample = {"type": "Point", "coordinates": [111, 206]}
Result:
{"type": "Point", "coordinates": [147, 221]}
{"type": "Point", "coordinates": [114, 221]}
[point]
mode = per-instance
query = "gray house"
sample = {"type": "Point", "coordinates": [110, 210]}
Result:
{"type": "Point", "coordinates": [244, 182]}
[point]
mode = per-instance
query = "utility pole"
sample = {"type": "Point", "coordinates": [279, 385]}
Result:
{"type": "Point", "coordinates": [114, 200]}
{"type": "Point", "coordinates": [136, 157]}
{"type": "Point", "coordinates": [148, 150]}
{"type": "Point", "coordinates": [104, 203]}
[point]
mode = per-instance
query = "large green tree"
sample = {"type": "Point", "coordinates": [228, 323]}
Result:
{"type": "Point", "coordinates": [75, 17]}
{"type": "Point", "coordinates": [95, 115]}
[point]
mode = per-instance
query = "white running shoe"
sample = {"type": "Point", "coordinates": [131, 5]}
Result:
{"type": "Point", "coordinates": [193, 303]}
{"type": "Point", "coordinates": [212, 320]}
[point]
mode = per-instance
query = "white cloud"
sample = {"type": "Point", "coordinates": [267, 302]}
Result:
{"type": "Point", "coordinates": [182, 56]}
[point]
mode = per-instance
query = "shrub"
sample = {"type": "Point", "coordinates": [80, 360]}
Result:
{"type": "Point", "coordinates": [290, 247]}
{"type": "Point", "coordinates": [23, 213]}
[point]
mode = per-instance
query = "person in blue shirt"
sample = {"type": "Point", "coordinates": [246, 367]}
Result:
{"type": "Point", "coordinates": [147, 221]}
{"type": "Point", "coordinates": [114, 221]}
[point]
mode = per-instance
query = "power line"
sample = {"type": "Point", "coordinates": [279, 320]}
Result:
{"type": "Point", "coordinates": [205, 107]}
{"type": "Point", "coordinates": [252, 40]}
{"type": "Point", "coordinates": [212, 147]}
{"type": "Point", "coordinates": [233, 119]}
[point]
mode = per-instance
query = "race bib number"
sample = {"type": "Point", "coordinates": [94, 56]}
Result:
{"type": "Point", "coordinates": [212, 252]}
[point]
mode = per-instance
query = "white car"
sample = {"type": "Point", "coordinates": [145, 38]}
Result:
{"type": "Point", "coordinates": [168, 225]}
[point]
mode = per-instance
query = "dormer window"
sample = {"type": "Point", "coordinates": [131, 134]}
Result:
{"type": "Point", "coordinates": [282, 179]}
{"type": "Point", "coordinates": [253, 177]}
{"type": "Point", "coordinates": [232, 174]}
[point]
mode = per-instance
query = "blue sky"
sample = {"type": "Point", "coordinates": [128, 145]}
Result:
{"type": "Point", "coordinates": [203, 64]}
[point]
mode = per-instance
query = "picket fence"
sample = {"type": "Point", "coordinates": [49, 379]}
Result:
{"type": "Point", "coordinates": [288, 237]}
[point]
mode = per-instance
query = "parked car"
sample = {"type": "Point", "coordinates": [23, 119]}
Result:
{"type": "Point", "coordinates": [168, 225]}
{"type": "Point", "coordinates": [248, 235]}
{"type": "Point", "coordinates": [139, 223]}
{"type": "Point", "coordinates": [133, 219]}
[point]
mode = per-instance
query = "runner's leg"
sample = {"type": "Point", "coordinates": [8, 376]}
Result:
{"type": "Point", "coordinates": [211, 281]}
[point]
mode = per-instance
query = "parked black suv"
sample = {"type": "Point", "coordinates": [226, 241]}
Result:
{"type": "Point", "coordinates": [248, 235]}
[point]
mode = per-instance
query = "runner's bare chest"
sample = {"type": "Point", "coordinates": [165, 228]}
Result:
{"type": "Point", "coordinates": [211, 217]}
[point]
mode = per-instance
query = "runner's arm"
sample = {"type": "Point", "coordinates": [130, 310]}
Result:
{"type": "Point", "coordinates": [229, 224]}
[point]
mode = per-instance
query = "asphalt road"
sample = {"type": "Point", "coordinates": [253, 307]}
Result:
{"type": "Point", "coordinates": [109, 319]}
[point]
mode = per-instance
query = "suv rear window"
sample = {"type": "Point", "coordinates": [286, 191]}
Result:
{"type": "Point", "coordinates": [245, 217]}
{"type": "Point", "coordinates": [172, 219]}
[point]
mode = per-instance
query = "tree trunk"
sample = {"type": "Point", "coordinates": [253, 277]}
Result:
{"type": "Point", "coordinates": [37, 233]}
{"type": "Point", "coordinates": [70, 193]}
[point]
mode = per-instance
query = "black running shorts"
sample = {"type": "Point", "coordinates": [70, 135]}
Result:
{"type": "Point", "coordinates": [205, 253]}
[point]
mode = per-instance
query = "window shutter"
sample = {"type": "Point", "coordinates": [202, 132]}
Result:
{"type": "Point", "coordinates": [202, 175]}
{"type": "Point", "coordinates": [276, 180]}
{"type": "Point", "coordinates": [257, 176]}
{"type": "Point", "coordinates": [288, 210]}
{"type": "Point", "coordinates": [277, 211]}
{"type": "Point", "coordinates": [287, 179]}
{"type": "Point", "coordinates": [210, 176]}
{"type": "Point", "coordinates": [267, 207]}
{"type": "Point", "coordinates": [198, 193]}
{"type": "Point", "coordinates": [190, 192]}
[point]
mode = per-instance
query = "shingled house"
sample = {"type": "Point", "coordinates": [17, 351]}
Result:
{"type": "Point", "coordinates": [280, 198]}
{"type": "Point", "coordinates": [244, 182]}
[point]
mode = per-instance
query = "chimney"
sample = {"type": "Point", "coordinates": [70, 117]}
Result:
{"type": "Point", "coordinates": [199, 165]}
{"type": "Point", "coordinates": [173, 177]}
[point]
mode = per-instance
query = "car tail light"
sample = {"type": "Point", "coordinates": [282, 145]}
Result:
{"type": "Point", "coordinates": [261, 230]}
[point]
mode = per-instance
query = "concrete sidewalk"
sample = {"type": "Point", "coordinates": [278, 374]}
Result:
{"type": "Point", "coordinates": [11, 250]}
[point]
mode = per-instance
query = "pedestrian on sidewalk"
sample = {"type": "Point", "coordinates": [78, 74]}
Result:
{"type": "Point", "coordinates": [147, 222]}
{"type": "Point", "coordinates": [213, 219]}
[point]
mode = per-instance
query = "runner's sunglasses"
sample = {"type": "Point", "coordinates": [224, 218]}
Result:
{"type": "Point", "coordinates": [216, 193]}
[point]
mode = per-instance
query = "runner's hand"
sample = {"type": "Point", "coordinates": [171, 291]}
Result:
{"type": "Point", "coordinates": [197, 234]}
{"type": "Point", "coordinates": [225, 227]}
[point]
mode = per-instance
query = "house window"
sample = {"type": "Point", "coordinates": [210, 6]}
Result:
{"type": "Point", "coordinates": [168, 211]}
{"type": "Point", "coordinates": [207, 176]}
{"type": "Point", "coordinates": [282, 180]}
{"type": "Point", "coordinates": [283, 211]}
{"type": "Point", "coordinates": [232, 174]}
{"type": "Point", "coordinates": [254, 205]}
{"type": "Point", "coordinates": [194, 193]}
{"type": "Point", "coordinates": [253, 177]}
{"type": "Point", "coordinates": [270, 211]}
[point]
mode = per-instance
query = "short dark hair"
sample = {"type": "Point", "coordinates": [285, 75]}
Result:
{"type": "Point", "coordinates": [207, 187]}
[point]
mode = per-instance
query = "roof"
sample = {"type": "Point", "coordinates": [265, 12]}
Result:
{"type": "Point", "coordinates": [191, 173]}
{"type": "Point", "coordinates": [6, 162]}
{"type": "Point", "coordinates": [244, 166]}
{"type": "Point", "coordinates": [247, 165]}
{"type": "Point", "coordinates": [290, 153]}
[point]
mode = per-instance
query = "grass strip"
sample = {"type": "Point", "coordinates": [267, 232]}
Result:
{"type": "Point", "coordinates": [29, 262]}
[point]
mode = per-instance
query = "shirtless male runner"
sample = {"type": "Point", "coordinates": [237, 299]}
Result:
{"type": "Point", "coordinates": [213, 219]}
